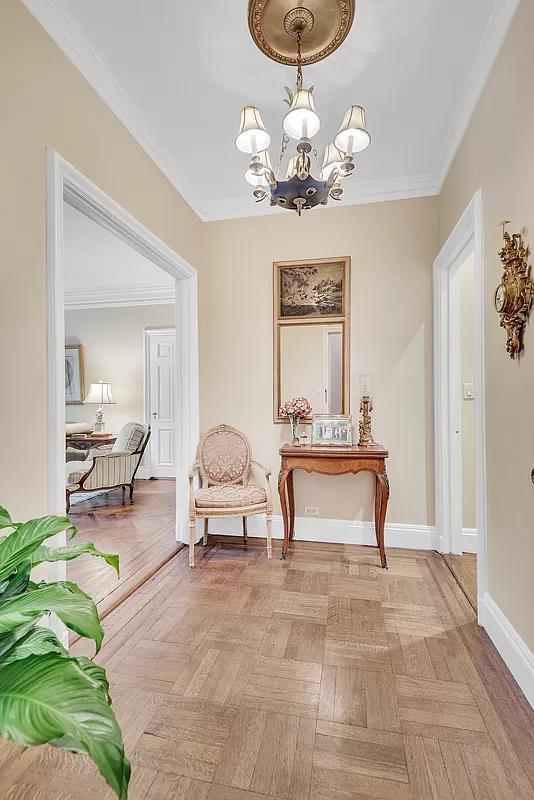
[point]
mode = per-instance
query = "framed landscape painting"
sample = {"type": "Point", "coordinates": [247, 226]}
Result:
{"type": "Point", "coordinates": [74, 378]}
{"type": "Point", "coordinates": [311, 289]}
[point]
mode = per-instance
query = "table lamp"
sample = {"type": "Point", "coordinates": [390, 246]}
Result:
{"type": "Point", "coordinates": [101, 394]}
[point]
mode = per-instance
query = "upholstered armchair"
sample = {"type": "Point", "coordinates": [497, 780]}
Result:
{"type": "Point", "coordinates": [225, 466]}
{"type": "Point", "coordinates": [110, 466]}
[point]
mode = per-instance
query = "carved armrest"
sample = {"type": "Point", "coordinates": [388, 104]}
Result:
{"type": "Point", "coordinates": [263, 469]}
{"type": "Point", "coordinates": [268, 492]}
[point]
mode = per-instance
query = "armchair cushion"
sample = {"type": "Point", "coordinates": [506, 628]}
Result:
{"type": "Point", "coordinates": [231, 496]}
{"type": "Point", "coordinates": [77, 469]}
{"type": "Point", "coordinates": [129, 438]}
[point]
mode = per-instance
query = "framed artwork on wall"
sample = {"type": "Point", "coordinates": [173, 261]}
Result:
{"type": "Point", "coordinates": [74, 377]}
{"type": "Point", "coordinates": [311, 289]}
{"type": "Point", "coordinates": [329, 429]}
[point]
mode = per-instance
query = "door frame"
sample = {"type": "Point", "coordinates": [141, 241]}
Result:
{"type": "Point", "coordinates": [466, 238]}
{"type": "Point", "coordinates": [148, 332]}
{"type": "Point", "coordinates": [65, 183]}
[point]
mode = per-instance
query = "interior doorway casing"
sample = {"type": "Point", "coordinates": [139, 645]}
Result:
{"type": "Point", "coordinates": [465, 239]}
{"type": "Point", "coordinates": [66, 184]}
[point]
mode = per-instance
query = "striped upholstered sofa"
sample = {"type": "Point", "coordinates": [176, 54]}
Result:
{"type": "Point", "coordinates": [109, 466]}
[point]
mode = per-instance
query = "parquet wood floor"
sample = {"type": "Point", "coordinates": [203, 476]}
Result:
{"type": "Point", "coordinates": [464, 569]}
{"type": "Point", "coordinates": [141, 533]}
{"type": "Point", "coordinates": [319, 678]}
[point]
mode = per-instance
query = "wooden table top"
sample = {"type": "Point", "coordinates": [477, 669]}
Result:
{"type": "Point", "coordinates": [334, 451]}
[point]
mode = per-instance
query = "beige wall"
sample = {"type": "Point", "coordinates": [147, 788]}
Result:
{"type": "Point", "coordinates": [113, 346]}
{"type": "Point", "coordinates": [45, 102]}
{"type": "Point", "coordinates": [466, 277]}
{"type": "Point", "coordinates": [392, 246]}
{"type": "Point", "coordinates": [497, 154]}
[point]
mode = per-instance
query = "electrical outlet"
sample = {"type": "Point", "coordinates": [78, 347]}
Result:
{"type": "Point", "coordinates": [311, 511]}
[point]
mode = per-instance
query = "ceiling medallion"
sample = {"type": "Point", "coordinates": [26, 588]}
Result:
{"type": "Point", "coordinates": [300, 35]}
{"type": "Point", "coordinates": [270, 23]}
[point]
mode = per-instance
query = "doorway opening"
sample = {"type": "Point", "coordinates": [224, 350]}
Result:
{"type": "Point", "coordinates": [174, 303]}
{"type": "Point", "coordinates": [459, 403]}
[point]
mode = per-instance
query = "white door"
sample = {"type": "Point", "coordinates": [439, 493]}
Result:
{"type": "Point", "coordinates": [160, 376]}
{"type": "Point", "coordinates": [333, 369]}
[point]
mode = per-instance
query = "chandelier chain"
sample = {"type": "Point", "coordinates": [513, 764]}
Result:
{"type": "Point", "coordinates": [299, 62]}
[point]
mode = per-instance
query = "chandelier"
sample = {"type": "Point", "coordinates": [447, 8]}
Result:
{"type": "Point", "coordinates": [291, 36]}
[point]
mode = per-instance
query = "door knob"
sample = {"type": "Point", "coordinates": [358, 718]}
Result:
{"type": "Point", "coordinates": [154, 414]}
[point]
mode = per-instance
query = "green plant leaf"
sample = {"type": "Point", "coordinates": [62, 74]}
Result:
{"type": "Point", "coordinates": [35, 643]}
{"type": "Point", "coordinates": [44, 553]}
{"type": "Point", "coordinates": [17, 583]}
{"type": "Point", "coordinates": [9, 640]}
{"type": "Point", "coordinates": [51, 699]}
{"type": "Point", "coordinates": [5, 519]}
{"type": "Point", "coordinates": [19, 545]}
{"type": "Point", "coordinates": [74, 608]}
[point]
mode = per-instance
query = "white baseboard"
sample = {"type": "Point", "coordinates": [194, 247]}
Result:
{"type": "Point", "coordinates": [315, 529]}
{"type": "Point", "coordinates": [516, 654]}
{"type": "Point", "coordinates": [469, 540]}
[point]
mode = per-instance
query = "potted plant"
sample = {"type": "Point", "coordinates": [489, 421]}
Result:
{"type": "Point", "coordinates": [294, 410]}
{"type": "Point", "coordinates": [47, 696]}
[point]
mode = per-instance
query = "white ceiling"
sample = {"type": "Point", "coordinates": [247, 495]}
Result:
{"type": "Point", "coordinates": [101, 270]}
{"type": "Point", "coordinates": [177, 74]}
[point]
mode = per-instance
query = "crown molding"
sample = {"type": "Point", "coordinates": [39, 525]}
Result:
{"type": "Point", "coordinates": [119, 296]}
{"type": "Point", "coordinates": [79, 51]}
{"type": "Point", "coordinates": [355, 194]}
{"type": "Point", "coordinates": [486, 57]}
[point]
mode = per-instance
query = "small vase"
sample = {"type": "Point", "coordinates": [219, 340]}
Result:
{"type": "Point", "coordinates": [294, 421]}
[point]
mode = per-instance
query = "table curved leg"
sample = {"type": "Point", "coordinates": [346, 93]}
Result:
{"type": "Point", "coordinates": [381, 504]}
{"type": "Point", "coordinates": [282, 485]}
{"type": "Point", "coordinates": [291, 497]}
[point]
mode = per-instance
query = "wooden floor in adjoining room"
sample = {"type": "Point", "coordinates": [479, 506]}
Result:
{"type": "Point", "coordinates": [142, 534]}
{"type": "Point", "coordinates": [322, 677]}
{"type": "Point", "coordinates": [464, 569]}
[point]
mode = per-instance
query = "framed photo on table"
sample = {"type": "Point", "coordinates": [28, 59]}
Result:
{"type": "Point", "coordinates": [331, 430]}
{"type": "Point", "coordinates": [74, 377]}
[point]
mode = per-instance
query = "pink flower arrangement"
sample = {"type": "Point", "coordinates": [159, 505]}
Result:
{"type": "Point", "coordinates": [298, 407]}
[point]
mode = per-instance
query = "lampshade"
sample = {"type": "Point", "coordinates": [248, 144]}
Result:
{"type": "Point", "coordinates": [252, 137]}
{"type": "Point", "coordinates": [100, 393]}
{"type": "Point", "coordinates": [291, 167]}
{"type": "Point", "coordinates": [352, 136]}
{"type": "Point", "coordinates": [302, 120]}
{"type": "Point", "coordinates": [366, 385]}
{"type": "Point", "coordinates": [259, 180]}
{"type": "Point", "coordinates": [332, 160]}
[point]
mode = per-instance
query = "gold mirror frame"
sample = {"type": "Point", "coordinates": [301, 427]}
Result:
{"type": "Point", "coordinates": [280, 322]}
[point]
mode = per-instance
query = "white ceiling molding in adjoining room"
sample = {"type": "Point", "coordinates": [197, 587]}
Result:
{"type": "Point", "coordinates": [177, 79]}
{"type": "Point", "coordinates": [102, 271]}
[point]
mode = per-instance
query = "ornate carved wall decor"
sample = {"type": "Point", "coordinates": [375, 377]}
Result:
{"type": "Point", "coordinates": [513, 296]}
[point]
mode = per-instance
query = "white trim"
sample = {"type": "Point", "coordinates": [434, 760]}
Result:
{"type": "Point", "coordinates": [466, 237]}
{"type": "Point", "coordinates": [66, 184]}
{"type": "Point", "coordinates": [469, 540]}
{"type": "Point", "coordinates": [514, 651]}
{"type": "Point", "coordinates": [118, 296]}
{"type": "Point", "coordinates": [486, 56]}
{"type": "Point", "coordinates": [341, 531]}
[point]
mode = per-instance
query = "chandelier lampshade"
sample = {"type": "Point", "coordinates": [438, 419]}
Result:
{"type": "Point", "coordinates": [352, 136]}
{"type": "Point", "coordinates": [302, 121]}
{"type": "Point", "coordinates": [259, 180]}
{"type": "Point", "coordinates": [332, 161]}
{"type": "Point", "coordinates": [252, 137]}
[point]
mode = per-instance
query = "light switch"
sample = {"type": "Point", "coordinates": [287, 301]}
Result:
{"type": "Point", "coordinates": [469, 391]}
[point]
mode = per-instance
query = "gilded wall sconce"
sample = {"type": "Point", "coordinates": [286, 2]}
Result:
{"type": "Point", "coordinates": [513, 296]}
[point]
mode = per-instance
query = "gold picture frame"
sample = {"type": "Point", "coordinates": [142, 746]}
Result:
{"type": "Point", "coordinates": [332, 430]}
{"type": "Point", "coordinates": [74, 374]}
{"type": "Point", "coordinates": [338, 315]}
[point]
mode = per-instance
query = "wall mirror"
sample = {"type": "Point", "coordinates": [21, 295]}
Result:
{"type": "Point", "coordinates": [311, 334]}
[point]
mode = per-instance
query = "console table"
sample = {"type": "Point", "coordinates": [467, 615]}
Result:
{"type": "Point", "coordinates": [333, 461]}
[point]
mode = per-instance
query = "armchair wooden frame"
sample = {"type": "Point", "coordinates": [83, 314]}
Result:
{"type": "Point", "coordinates": [244, 511]}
